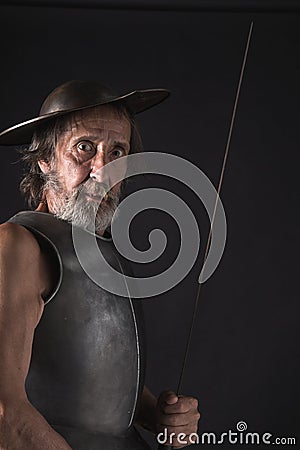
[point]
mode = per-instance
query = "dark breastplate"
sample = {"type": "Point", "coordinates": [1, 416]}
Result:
{"type": "Point", "coordinates": [86, 372]}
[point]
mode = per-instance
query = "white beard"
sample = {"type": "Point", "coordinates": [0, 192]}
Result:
{"type": "Point", "coordinates": [76, 209]}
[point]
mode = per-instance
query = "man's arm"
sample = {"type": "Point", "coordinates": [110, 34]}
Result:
{"type": "Point", "coordinates": [24, 279]}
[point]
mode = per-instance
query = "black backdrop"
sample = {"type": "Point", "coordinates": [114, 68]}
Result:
{"type": "Point", "coordinates": [244, 353]}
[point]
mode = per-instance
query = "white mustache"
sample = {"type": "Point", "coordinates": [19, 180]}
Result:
{"type": "Point", "coordinates": [95, 189]}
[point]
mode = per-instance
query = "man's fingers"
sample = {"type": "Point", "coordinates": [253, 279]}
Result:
{"type": "Point", "coordinates": [173, 420]}
{"type": "Point", "coordinates": [182, 406]}
{"type": "Point", "coordinates": [177, 417]}
{"type": "Point", "coordinates": [167, 398]}
{"type": "Point", "coordinates": [179, 420]}
{"type": "Point", "coordinates": [171, 399]}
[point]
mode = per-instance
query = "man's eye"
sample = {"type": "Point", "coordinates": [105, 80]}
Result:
{"type": "Point", "coordinates": [117, 153]}
{"type": "Point", "coordinates": [85, 146]}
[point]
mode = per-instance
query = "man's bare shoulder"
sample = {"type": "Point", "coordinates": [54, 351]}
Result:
{"type": "Point", "coordinates": [16, 239]}
{"type": "Point", "coordinates": [21, 255]}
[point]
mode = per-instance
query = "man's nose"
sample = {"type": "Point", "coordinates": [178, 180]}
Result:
{"type": "Point", "coordinates": [97, 167]}
{"type": "Point", "coordinates": [99, 160]}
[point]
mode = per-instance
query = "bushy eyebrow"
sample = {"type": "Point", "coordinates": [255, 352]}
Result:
{"type": "Point", "coordinates": [122, 144]}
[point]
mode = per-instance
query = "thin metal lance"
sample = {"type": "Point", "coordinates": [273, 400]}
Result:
{"type": "Point", "coordinates": [225, 157]}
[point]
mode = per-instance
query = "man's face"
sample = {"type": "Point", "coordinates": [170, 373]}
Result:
{"type": "Point", "coordinates": [92, 138]}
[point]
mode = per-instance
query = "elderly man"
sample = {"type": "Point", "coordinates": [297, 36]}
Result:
{"type": "Point", "coordinates": [72, 360]}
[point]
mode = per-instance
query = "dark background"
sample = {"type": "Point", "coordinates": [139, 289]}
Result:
{"type": "Point", "coordinates": [244, 354]}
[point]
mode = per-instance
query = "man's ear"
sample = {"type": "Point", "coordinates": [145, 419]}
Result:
{"type": "Point", "coordinates": [44, 166]}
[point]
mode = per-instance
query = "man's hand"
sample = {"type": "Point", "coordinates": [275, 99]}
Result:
{"type": "Point", "coordinates": [175, 415]}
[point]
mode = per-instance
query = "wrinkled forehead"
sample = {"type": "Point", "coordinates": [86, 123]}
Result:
{"type": "Point", "coordinates": [97, 119]}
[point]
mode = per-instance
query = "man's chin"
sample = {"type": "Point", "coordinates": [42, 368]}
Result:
{"type": "Point", "coordinates": [89, 212]}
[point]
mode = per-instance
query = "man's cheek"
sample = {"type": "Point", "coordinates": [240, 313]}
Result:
{"type": "Point", "coordinates": [76, 179]}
